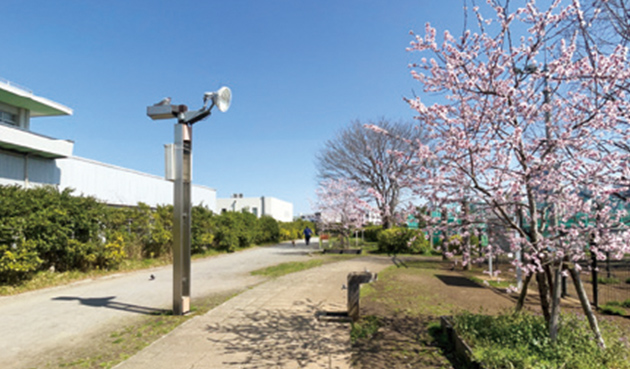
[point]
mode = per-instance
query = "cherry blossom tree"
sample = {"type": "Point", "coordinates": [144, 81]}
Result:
{"type": "Point", "coordinates": [341, 208]}
{"type": "Point", "coordinates": [524, 125]}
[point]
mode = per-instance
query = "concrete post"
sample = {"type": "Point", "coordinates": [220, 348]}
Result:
{"type": "Point", "coordinates": [181, 219]}
{"type": "Point", "coordinates": [355, 279]}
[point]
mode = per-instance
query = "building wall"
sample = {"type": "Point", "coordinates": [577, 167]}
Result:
{"type": "Point", "coordinates": [26, 170]}
{"type": "Point", "coordinates": [30, 159]}
{"type": "Point", "coordinates": [120, 186]}
{"type": "Point", "coordinates": [280, 210]}
{"type": "Point", "coordinates": [276, 208]}
{"type": "Point", "coordinates": [251, 204]}
{"type": "Point", "coordinates": [108, 183]}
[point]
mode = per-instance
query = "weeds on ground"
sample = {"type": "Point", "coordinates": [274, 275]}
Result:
{"type": "Point", "coordinates": [612, 309]}
{"type": "Point", "coordinates": [615, 307]}
{"type": "Point", "coordinates": [610, 280]}
{"type": "Point", "coordinates": [296, 266]}
{"type": "Point", "coordinates": [287, 268]}
{"type": "Point", "coordinates": [364, 328]}
{"type": "Point", "coordinates": [521, 341]}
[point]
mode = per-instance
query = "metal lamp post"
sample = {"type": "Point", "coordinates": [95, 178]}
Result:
{"type": "Point", "coordinates": [181, 174]}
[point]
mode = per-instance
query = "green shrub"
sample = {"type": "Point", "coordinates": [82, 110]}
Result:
{"type": "Point", "coordinates": [114, 252]}
{"type": "Point", "coordinates": [612, 308]}
{"type": "Point", "coordinates": [364, 328]}
{"type": "Point", "coordinates": [293, 230]}
{"type": "Point", "coordinates": [234, 230]}
{"type": "Point", "coordinates": [370, 233]}
{"type": "Point", "coordinates": [521, 341]}
{"type": "Point", "coordinates": [285, 234]}
{"type": "Point", "coordinates": [19, 262]}
{"type": "Point", "coordinates": [201, 229]}
{"type": "Point", "coordinates": [62, 229]}
{"type": "Point", "coordinates": [605, 280]}
{"type": "Point", "coordinates": [455, 243]}
{"type": "Point", "coordinates": [146, 232]}
{"type": "Point", "coordinates": [402, 241]}
{"type": "Point", "coordinates": [268, 230]}
{"type": "Point", "coordinates": [626, 303]}
{"type": "Point", "coordinates": [226, 229]}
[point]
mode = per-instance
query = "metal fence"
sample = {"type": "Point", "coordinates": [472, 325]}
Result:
{"type": "Point", "coordinates": [604, 280]}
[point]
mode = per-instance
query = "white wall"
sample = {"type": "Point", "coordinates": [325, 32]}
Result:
{"type": "Point", "coordinates": [276, 208]}
{"type": "Point", "coordinates": [25, 170]}
{"type": "Point", "coordinates": [252, 204]}
{"type": "Point", "coordinates": [280, 210]}
{"type": "Point", "coordinates": [108, 183]}
{"type": "Point", "coordinates": [13, 137]}
{"type": "Point", "coordinates": [120, 186]}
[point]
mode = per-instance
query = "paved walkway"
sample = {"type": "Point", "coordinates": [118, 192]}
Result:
{"type": "Point", "coordinates": [39, 326]}
{"type": "Point", "coordinates": [273, 325]}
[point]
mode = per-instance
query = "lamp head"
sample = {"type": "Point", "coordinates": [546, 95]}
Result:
{"type": "Point", "coordinates": [221, 98]}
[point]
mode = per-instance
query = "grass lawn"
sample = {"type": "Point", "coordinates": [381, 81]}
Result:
{"type": "Point", "coordinates": [406, 302]}
{"type": "Point", "coordinates": [400, 312]}
{"type": "Point", "coordinates": [296, 266]}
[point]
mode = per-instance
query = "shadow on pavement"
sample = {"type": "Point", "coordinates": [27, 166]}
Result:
{"type": "Point", "coordinates": [457, 281]}
{"type": "Point", "coordinates": [278, 338]}
{"type": "Point", "coordinates": [107, 302]}
{"type": "Point", "coordinates": [295, 252]}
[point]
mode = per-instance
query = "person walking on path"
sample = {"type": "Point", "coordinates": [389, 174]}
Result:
{"type": "Point", "coordinates": [307, 235]}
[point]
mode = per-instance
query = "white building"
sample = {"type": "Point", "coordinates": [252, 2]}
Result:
{"type": "Point", "coordinates": [29, 159]}
{"type": "Point", "coordinates": [280, 210]}
{"type": "Point", "coordinates": [373, 217]}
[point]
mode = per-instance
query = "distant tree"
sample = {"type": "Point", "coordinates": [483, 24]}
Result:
{"type": "Point", "coordinates": [368, 159]}
{"type": "Point", "coordinates": [341, 208]}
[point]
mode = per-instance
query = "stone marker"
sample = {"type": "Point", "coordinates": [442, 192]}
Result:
{"type": "Point", "coordinates": [354, 287]}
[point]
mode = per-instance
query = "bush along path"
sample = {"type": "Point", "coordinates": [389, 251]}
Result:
{"type": "Point", "coordinates": [44, 230]}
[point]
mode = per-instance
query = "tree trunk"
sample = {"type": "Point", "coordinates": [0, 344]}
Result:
{"type": "Point", "coordinates": [586, 306]}
{"type": "Point", "coordinates": [549, 276]}
{"type": "Point", "coordinates": [444, 250]}
{"type": "Point", "coordinates": [467, 253]}
{"type": "Point", "coordinates": [554, 322]}
{"type": "Point", "coordinates": [523, 294]}
{"type": "Point", "coordinates": [467, 259]}
{"type": "Point", "coordinates": [543, 292]}
{"type": "Point", "coordinates": [444, 224]}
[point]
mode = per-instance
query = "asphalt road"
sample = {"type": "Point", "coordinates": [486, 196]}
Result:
{"type": "Point", "coordinates": [47, 322]}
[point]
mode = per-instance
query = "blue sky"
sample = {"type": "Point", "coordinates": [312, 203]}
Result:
{"type": "Point", "coordinates": [299, 72]}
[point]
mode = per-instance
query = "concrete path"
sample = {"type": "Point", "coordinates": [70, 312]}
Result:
{"type": "Point", "coordinates": [45, 323]}
{"type": "Point", "coordinates": [273, 325]}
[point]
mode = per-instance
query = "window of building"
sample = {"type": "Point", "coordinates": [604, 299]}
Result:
{"type": "Point", "coordinates": [255, 211]}
{"type": "Point", "coordinates": [8, 118]}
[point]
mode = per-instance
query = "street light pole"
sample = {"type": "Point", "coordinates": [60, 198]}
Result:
{"type": "Point", "coordinates": [182, 205]}
{"type": "Point", "coordinates": [182, 218]}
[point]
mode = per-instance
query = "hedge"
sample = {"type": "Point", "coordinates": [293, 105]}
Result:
{"type": "Point", "coordinates": [43, 228]}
